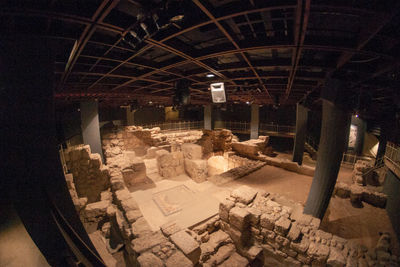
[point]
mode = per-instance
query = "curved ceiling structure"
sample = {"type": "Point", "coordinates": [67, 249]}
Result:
{"type": "Point", "coordinates": [264, 51]}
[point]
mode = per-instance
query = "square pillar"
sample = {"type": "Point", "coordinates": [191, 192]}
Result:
{"type": "Point", "coordinates": [335, 124]}
{"type": "Point", "coordinates": [207, 117]}
{"type": "Point", "coordinates": [130, 116]}
{"type": "Point", "coordinates": [90, 126]}
{"type": "Point", "coordinates": [301, 132]}
{"type": "Point", "coordinates": [254, 123]}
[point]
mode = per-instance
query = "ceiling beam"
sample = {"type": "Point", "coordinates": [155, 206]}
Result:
{"type": "Point", "coordinates": [301, 22]}
{"type": "Point", "coordinates": [229, 37]}
{"type": "Point", "coordinates": [102, 11]}
{"type": "Point", "coordinates": [178, 53]}
{"type": "Point", "coordinates": [374, 25]}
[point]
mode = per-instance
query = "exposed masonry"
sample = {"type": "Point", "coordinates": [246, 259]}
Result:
{"type": "Point", "coordinates": [252, 227]}
{"type": "Point", "coordinates": [358, 192]}
{"type": "Point", "coordinates": [276, 235]}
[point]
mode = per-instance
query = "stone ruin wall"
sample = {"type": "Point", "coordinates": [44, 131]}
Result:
{"type": "Point", "coordinates": [251, 228]}
{"type": "Point", "coordinates": [277, 235]}
{"type": "Point", "coordinates": [365, 187]}
{"type": "Point", "coordinates": [89, 176]}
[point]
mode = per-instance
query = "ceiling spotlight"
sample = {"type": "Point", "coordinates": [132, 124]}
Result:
{"type": "Point", "coordinates": [150, 102]}
{"type": "Point", "coordinates": [210, 75]}
{"type": "Point", "coordinates": [247, 102]}
{"type": "Point", "coordinates": [144, 27]}
{"type": "Point", "coordinates": [175, 7]}
{"type": "Point", "coordinates": [134, 34]}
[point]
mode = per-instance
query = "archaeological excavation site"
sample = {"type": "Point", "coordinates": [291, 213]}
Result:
{"type": "Point", "coordinates": [200, 133]}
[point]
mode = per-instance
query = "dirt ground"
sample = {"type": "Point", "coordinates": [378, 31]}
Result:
{"type": "Point", "coordinates": [359, 224]}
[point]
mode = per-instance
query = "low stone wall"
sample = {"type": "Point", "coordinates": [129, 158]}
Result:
{"type": "Point", "coordinates": [274, 235]}
{"type": "Point", "coordinates": [358, 193]}
{"type": "Point", "coordinates": [90, 176]}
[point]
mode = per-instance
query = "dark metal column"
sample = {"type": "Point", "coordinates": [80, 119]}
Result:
{"type": "Point", "coordinates": [380, 154]}
{"type": "Point", "coordinates": [255, 121]}
{"type": "Point", "coordinates": [90, 126]}
{"type": "Point", "coordinates": [207, 117]}
{"type": "Point", "coordinates": [301, 132]}
{"type": "Point", "coordinates": [335, 122]}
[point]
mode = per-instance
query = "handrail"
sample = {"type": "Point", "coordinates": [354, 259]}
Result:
{"type": "Point", "coordinates": [232, 125]}
{"type": "Point", "coordinates": [392, 154]}
{"type": "Point", "coordinates": [82, 251]}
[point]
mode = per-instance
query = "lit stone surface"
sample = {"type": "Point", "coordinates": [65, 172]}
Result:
{"type": "Point", "coordinates": [149, 260]}
{"type": "Point", "coordinates": [187, 244]}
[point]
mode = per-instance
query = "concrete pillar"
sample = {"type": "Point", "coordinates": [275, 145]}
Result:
{"type": "Point", "coordinates": [130, 117]}
{"type": "Point", "coordinates": [255, 121]}
{"type": "Point", "coordinates": [380, 154]}
{"type": "Point", "coordinates": [335, 122]}
{"type": "Point", "coordinates": [361, 128]}
{"type": "Point", "coordinates": [33, 182]}
{"type": "Point", "coordinates": [301, 132]}
{"type": "Point", "coordinates": [90, 126]}
{"type": "Point", "coordinates": [207, 117]}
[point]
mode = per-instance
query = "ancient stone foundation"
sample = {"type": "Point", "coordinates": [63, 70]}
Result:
{"type": "Point", "coordinates": [90, 176]}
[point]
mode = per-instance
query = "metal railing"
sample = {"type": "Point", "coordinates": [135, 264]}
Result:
{"type": "Point", "coordinates": [311, 141]}
{"type": "Point", "coordinates": [263, 127]}
{"type": "Point", "coordinates": [392, 154]}
{"type": "Point", "coordinates": [238, 126]}
{"type": "Point", "coordinates": [270, 127]}
{"type": "Point", "coordinates": [176, 125]}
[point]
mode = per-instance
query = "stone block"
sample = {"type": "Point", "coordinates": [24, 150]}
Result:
{"type": "Point", "coordinates": [342, 190]}
{"type": "Point", "coordinates": [96, 210]}
{"type": "Point", "coordinates": [255, 215]}
{"type": "Point", "coordinates": [217, 165]}
{"type": "Point", "coordinates": [336, 258]}
{"type": "Point", "coordinates": [146, 242]}
{"type": "Point", "coordinates": [141, 228]}
{"type": "Point", "coordinates": [133, 215]}
{"type": "Point", "coordinates": [268, 220]}
{"type": "Point", "coordinates": [318, 251]}
{"type": "Point", "coordinates": [129, 204]}
{"type": "Point", "coordinates": [223, 253]}
{"type": "Point", "coordinates": [151, 152]}
{"type": "Point", "coordinates": [196, 169]}
{"type": "Point", "coordinates": [247, 148]}
{"type": "Point", "coordinates": [178, 259]}
{"type": "Point", "coordinates": [134, 174]}
{"type": "Point", "coordinates": [244, 194]}
{"type": "Point", "coordinates": [239, 218]}
{"type": "Point", "coordinates": [170, 228]}
{"type": "Point", "coordinates": [224, 207]}
{"type": "Point", "coordinates": [122, 194]}
{"type": "Point", "coordinates": [192, 151]}
{"type": "Point", "coordinates": [302, 246]}
{"type": "Point", "coordinates": [294, 232]}
{"type": "Point", "coordinates": [149, 260]}
{"type": "Point", "coordinates": [187, 244]}
{"type": "Point", "coordinates": [215, 241]}
{"type": "Point", "coordinates": [282, 226]}
{"type": "Point", "coordinates": [235, 260]}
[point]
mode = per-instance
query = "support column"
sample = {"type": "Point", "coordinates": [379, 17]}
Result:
{"type": "Point", "coordinates": [90, 126]}
{"type": "Point", "coordinates": [254, 123]}
{"type": "Point", "coordinates": [207, 117]}
{"type": "Point", "coordinates": [380, 154]}
{"type": "Point", "coordinates": [301, 132]}
{"type": "Point", "coordinates": [335, 122]}
{"type": "Point", "coordinates": [130, 118]}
